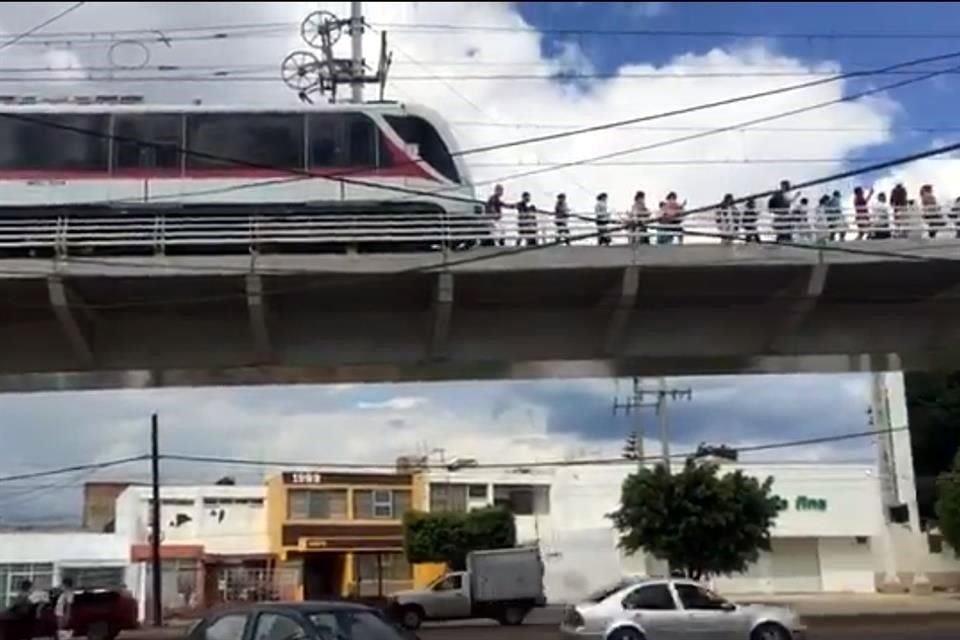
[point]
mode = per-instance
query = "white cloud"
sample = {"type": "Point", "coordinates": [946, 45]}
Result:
{"type": "Point", "coordinates": [403, 403]}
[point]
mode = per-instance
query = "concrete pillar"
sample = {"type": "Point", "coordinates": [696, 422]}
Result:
{"type": "Point", "coordinates": [895, 406]}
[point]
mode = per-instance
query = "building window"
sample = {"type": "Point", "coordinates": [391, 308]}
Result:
{"type": "Point", "coordinates": [448, 497]}
{"type": "Point", "coordinates": [380, 504]}
{"type": "Point", "coordinates": [392, 570]}
{"type": "Point", "coordinates": [935, 543]}
{"type": "Point", "coordinates": [522, 500]}
{"type": "Point", "coordinates": [478, 491]}
{"type": "Point", "coordinates": [11, 575]}
{"type": "Point", "coordinates": [327, 504]}
{"type": "Point", "coordinates": [94, 577]}
{"type": "Point", "coordinates": [219, 502]}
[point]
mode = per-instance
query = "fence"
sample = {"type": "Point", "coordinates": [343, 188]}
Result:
{"type": "Point", "coordinates": [377, 232]}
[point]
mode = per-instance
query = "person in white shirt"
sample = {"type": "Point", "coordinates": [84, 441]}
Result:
{"type": "Point", "coordinates": [62, 609]}
{"type": "Point", "coordinates": [880, 217]}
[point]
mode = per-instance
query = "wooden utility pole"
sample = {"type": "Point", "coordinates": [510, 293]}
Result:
{"type": "Point", "coordinates": [155, 562]}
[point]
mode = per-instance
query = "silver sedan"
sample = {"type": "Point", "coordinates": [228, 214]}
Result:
{"type": "Point", "coordinates": [659, 609]}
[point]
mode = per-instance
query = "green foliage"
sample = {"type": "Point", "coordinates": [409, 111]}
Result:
{"type": "Point", "coordinates": [699, 522]}
{"type": "Point", "coordinates": [933, 409]}
{"type": "Point", "coordinates": [449, 537]}
{"type": "Point", "coordinates": [948, 505]}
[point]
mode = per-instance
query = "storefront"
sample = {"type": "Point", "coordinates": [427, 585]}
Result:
{"type": "Point", "coordinates": [47, 557]}
{"type": "Point", "coordinates": [342, 533]}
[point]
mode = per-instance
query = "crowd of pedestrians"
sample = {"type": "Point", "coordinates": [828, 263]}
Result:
{"type": "Point", "coordinates": [789, 216]}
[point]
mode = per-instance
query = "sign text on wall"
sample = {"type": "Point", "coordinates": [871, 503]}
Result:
{"type": "Point", "coordinates": [804, 503]}
{"type": "Point", "coordinates": [303, 477]}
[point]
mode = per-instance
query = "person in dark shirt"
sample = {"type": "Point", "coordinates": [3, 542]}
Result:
{"type": "Point", "coordinates": [749, 221]}
{"type": "Point", "coordinates": [494, 211]}
{"type": "Point", "coordinates": [527, 221]}
{"type": "Point", "coordinates": [561, 216]}
{"type": "Point", "coordinates": [779, 208]}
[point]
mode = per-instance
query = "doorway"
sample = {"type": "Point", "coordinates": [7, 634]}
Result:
{"type": "Point", "coordinates": [323, 575]}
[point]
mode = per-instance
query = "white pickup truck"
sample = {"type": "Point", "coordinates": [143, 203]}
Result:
{"type": "Point", "coordinates": [502, 584]}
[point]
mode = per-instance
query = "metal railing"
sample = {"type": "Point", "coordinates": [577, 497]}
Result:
{"type": "Point", "coordinates": [176, 233]}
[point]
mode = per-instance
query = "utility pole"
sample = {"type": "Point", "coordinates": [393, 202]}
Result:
{"type": "Point", "coordinates": [631, 406]}
{"type": "Point", "coordinates": [356, 51]}
{"type": "Point", "coordinates": [155, 564]}
{"type": "Point", "coordinates": [662, 395]}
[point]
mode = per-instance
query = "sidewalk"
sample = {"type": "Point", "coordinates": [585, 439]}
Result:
{"type": "Point", "coordinates": [871, 605]}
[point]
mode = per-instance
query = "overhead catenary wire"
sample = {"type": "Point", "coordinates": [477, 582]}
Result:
{"type": "Point", "coordinates": [434, 28]}
{"type": "Point", "coordinates": [41, 25]}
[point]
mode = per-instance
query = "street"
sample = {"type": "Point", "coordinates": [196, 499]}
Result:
{"type": "Point", "coordinates": [891, 631]}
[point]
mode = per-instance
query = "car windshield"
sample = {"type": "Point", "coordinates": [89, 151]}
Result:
{"type": "Point", "coordinates": [352, 625]}
{"type": "Point", "coordinates": [609, 590]}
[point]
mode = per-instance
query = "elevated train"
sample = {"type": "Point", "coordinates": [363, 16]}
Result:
{"type": "Point", "coordinates": [372, 163]}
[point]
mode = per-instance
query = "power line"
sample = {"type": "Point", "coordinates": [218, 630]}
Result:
{"type": "Point", "coordinates": [729, 101]}
{"type": "Point", "coordinates": [661, 127]}
{"type": "Point", "coordinates": [32, 30]}
{"type": "Point", "coordinates": [434, 28]}
{"type": "Point", "coordinates": [527, 464]}
{"type": "Point", "coordinates": [79, 467]}
{"type": "Point", "coordinates": [725, 129]}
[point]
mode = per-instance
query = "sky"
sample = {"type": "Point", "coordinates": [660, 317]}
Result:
{"type": "Point", "coordinates": [496, 72]}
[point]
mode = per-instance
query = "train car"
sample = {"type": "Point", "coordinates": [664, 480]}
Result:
{"type": "Point", "coordinates": [103, 157]}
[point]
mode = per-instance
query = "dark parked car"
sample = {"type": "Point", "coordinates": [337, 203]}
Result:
{"type": "Point", "coordinates": [98, 614]}
{"type": "Point", "coordinates": [297, 621]}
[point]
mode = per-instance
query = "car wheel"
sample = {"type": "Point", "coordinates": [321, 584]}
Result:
{"type": "Point", "coordinates": [512, 616]}
{"type": "Point", "coordinates": [625, 634]}
{"type": "Point", "coordinates": [98, 631]}
{"type": "Point", "coordinates": [770, 631]}
{"type": "Point", "coordinates": [411, 618]}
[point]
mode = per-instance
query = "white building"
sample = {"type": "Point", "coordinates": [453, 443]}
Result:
{"type": "Point", "coordinates": [827, 539]}
{"type": "Point", "coordinates": [46, 557]}
{"type": "Point", "coordinates": [213, 542]}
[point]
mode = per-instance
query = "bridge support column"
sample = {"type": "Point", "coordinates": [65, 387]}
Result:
{"type": "Point", "coordinates": [805, 295]}
{"type": "Point", "coordinates": [442, 313]}
{"type": "Point", "coordinates": [76, 319]}
{"type": "Point", "coordinates": [623, 304]}
{"type": "Point", "coordinates": [257, 311]}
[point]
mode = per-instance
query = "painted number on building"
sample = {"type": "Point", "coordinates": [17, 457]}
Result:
{"type": "Point", "coordinates": [303, 478]}
{"type": "Point", "coordinates": [804, 503]}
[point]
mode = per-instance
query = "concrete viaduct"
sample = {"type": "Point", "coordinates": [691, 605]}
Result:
{"type": "Point", "coordinates": [557, 312]}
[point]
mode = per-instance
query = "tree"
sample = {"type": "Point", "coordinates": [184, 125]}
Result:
{"type": "Point", "coordinates": [699, 522]}
{"type": "Point", "coordinates": [948, 505]}
{"type": "Point", "coordinates": [448, 537]}
{"type": "Point", "coordinates": [933, 410]}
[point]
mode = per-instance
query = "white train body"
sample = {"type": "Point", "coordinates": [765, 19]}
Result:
{"type": "Point", "coordinates": [368, 157]}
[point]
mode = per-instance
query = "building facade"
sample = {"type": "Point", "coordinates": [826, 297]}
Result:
{"type": "Point", "coordinates": [213, 545]}
{"type": "Point", "coordinates": [829, 537]}
{"type": "Point", "coordinates": [46, 557]}
{"type": "Point", "coordinates": [342, 533]}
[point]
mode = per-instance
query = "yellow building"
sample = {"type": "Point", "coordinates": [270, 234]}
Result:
{"type": "Point", "coordinates": [343, 531]}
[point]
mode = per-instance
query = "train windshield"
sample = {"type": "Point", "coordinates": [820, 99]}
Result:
{"type": "Point", "coordinates": [431, 147]}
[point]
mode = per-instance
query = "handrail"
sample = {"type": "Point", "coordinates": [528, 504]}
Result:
{"type": "Point", "coordinates": [62, 235]}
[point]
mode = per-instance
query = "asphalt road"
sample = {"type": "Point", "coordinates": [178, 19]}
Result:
{"type": "Point", "coordinates": [891, 631]}
{"type": "Point", "coordinates": [848, 630]}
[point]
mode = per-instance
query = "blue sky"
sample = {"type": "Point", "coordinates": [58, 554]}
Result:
{"type": "Point", "coordinates": [492, 420]}
{"type": "Point", "coordinates": [926, 105]}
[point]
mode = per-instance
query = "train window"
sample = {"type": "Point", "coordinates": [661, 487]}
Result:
{"type": "Point", "coordinates": [47, 142]}
{"type": "Point", "coordinates": [343, 140]}
{"type": "Point", "coordinates": [161, 129]}
{"type": "Point", "coordinates": [431, 147]}
{"type": "Point", "coordinates": [254, 141]}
